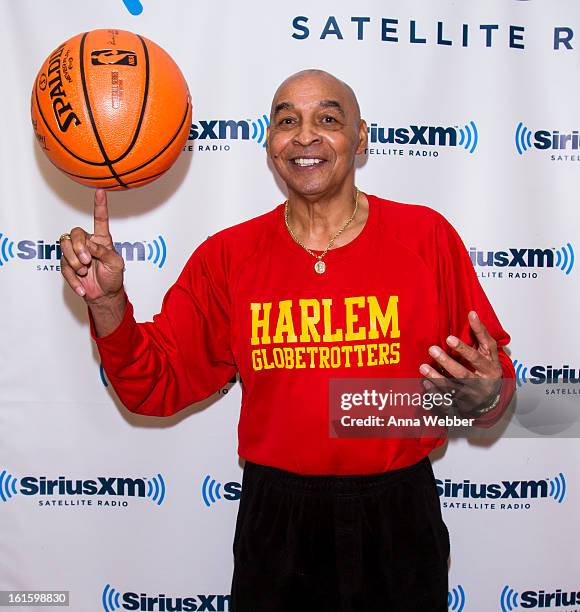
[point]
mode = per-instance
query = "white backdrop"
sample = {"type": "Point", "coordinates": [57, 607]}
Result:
{"type": "Point", "coordinates": [483, 68]}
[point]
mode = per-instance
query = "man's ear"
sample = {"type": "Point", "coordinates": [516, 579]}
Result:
{"type": "Point", "coordinates": [363, 137]}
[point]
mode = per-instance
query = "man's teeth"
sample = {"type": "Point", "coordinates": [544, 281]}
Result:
{"type": "Point", "coordinates": [307, 162]}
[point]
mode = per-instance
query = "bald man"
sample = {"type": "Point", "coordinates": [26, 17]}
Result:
{"type": "Point", "coordinates": [333, 283]}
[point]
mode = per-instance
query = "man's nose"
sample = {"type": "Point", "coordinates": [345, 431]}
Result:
{"type": "Point", "coordinates": [306, 134]}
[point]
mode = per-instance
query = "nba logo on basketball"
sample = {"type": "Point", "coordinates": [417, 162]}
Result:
{"type": "Point", "coordinates": [113, 57]}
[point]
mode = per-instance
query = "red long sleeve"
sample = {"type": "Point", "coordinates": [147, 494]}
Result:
{"type": "Point", "coordinates": [183, 356]}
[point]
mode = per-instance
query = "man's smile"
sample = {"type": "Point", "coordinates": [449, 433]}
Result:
{"type": "Point", "coordinates": [307, 162]}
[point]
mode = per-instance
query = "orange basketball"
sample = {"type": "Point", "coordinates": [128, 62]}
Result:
{"type": "Point", "coordinates": [111, 109]}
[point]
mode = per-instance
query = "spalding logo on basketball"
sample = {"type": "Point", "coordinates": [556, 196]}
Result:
{"type": "Point", "coordinates": [111, 109]}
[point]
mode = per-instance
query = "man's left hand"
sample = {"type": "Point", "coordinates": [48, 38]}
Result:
{"type": "Point", "coordinates": [476, 387]}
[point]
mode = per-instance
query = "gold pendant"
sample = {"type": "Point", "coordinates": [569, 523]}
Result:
{"type": "Point", "coordinates": [320, 267]}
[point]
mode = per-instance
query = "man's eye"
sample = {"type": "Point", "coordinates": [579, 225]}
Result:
{"type": "Point", "coordinates": [287, 121]}
{"type": "Point", "coordinates": [328, 119]}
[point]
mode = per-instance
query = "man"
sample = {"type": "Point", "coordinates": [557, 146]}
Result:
{"type": "Point", "coordinates": [333, 283]}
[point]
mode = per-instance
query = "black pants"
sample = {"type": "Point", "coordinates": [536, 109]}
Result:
{"type": "Point", "coordinates": [369, 543]}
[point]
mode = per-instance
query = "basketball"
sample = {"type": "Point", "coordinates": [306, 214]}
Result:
{"type": "Point", "coordinates": [111, 109]}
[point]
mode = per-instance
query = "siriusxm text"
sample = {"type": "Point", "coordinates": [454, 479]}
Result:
{"type": "Point", "coordinates": [162, 603]}
{"type": "Point", "coordinates": [544, 139]}
{"type": "Point", "coordinates": [540, 374]}
{"type": "Point", "coordinates": [524, 258]}
{"type": "Point", "coordinates": [556, 599]}
{"type": "Point", "coordinates": [220, 129]}
{"type": "Point", "coordinates": [39, 249]}
{"type": "Point", "coordinates": [506, 489]}
{"type": "Point", "coordinates": [413, 135]}
{"type": "Point", "coordinates": [132, 487]}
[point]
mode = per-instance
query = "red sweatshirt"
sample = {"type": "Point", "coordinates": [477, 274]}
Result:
{"type": "Point", "coordinates": [249, 300]}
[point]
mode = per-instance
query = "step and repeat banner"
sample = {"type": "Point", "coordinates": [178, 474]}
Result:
{"type": "Point", "coordinates": [472, 109]}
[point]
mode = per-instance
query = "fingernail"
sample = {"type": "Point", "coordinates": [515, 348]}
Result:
{"type": "Point", "coordinates": [424, 369]}
{"type": "Point", "coordinates": [80, 291]}
{"type": "Point", "coordinates": [452, 341]}
{"type": "Point", "coordinates": [435, 351]}
{"type": "Point", "coordinates": [473, 315]}
{"type": "Point", "coordinates": [84, 257]}
{"type": "Point", "coordinates": [428, 385]}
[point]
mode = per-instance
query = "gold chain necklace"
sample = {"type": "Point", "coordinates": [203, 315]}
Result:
{"type": "Point", "coordinates": [320, 266]}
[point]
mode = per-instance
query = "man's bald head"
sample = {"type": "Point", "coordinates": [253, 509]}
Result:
{"type": "Point", "coordinates": [315, 134]}
{"type": "Point", "coordinates": [310, 79]}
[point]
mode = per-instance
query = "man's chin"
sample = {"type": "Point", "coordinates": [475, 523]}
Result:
{"type": "Point", "coordinates": [308, 189]}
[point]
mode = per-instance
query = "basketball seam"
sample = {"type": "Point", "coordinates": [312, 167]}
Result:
{"type": "Point", "coordinates": [143, 106]}
{"type": "Point", "coordinates": [139, 180]}
{"type": "Point", "coordinates": [90, 111]}
{"type": "Point", "coordinates": [85, 161]}
{"type": "Point", "coordinates": [137, 130]}
{"type": "Point", "coordinates": [104, 178]}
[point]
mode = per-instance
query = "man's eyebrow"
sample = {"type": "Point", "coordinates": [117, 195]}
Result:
{"type": "Point", "coordinates": [333, 104]}
{"type": "Point", "coordinates": [282, 106]}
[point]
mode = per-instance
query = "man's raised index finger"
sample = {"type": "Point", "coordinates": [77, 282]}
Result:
{"type": "Point", "coordinates": [101, 214]}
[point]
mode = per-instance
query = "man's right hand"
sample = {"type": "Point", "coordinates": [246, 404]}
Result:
{"type": "Point", "coordinates": [90, 264]}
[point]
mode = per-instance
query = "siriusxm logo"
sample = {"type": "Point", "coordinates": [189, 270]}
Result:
{"type": "Point", "coordinates": [150, 251]}
{"type": "Point", "coordinates": [456, 599]}
{"type": "Point", "coordinates": [561, 258]}
{"type": "Point", "coordinates": [427, 135]}
{"type": "Point", "coordinates": [548, 140]}
{"type": "Point", "coordinates": [553, 488]}
{"type": "Point", "coordinates": [211, 491]}
{"type": "Point", "coordinates": [102, 486]}
{"type": "Point", "coordinates": [227, 130]}
{"type": "Point", "coordinates": [112, 600]}
{"type": "Point", "coordinates": [133, 6]}
{"type": "Point", "coordinates": [511, 599]}
{"type": "Point", "coordinates": [545, 374]}
{"type": "Point", "coordinates": [421, 140]}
